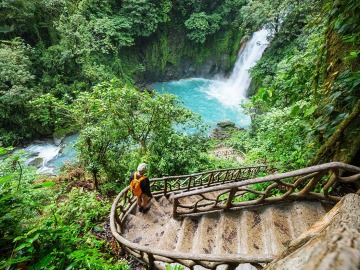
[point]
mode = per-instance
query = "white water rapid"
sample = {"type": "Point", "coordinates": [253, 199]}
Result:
{"type": "Point", "coordinates": [47, 157]}
{"type": "Point", "coordinates": [42, 153]}
{"type": "Point", "coordinates": [231, 91]}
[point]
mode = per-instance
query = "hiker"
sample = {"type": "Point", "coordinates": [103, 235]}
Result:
{"type": "Point", "coordinates": [140, 187]}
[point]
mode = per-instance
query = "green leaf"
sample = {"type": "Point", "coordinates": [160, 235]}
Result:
{"type": "Point", "coordinates": [44, 262]}
{"type": "Point", "coordinates": [14, 261]}
{"type": "Point", "coordinates": [45, 184]}
{"type": "Point", "coordinates": [328, 109]}
{"type": "Point", "coordinates": [6, 178]}
{"type": "Point", "coordinates": [322, 127]}
{"type": "Point", "coordinates": [98, 229]}
{"type": "Point", "coordinates": [71, 266]}
{"type": "Point", "coordinates": [19, 238]}
{"type": "Point", "coordinates": [310, 111]}
{"type": "Point", "coordinates": [335, 95]}
{"type": "Point", "coordinates": [295, 111]}
{"type": "Point", "coordinates": [340, 117]}
{"type": "Point", "coordinates": [24, 245]}
{"type": "Point", "coordinates": [5, 197]}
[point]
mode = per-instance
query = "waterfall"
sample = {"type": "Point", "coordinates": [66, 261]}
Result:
{"type": "Point", "coordinates": [218, 100]}
{"type": "Point", "coordinates": [231, 91]}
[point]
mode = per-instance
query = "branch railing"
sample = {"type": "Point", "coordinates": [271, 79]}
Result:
{"type": "Point", "coordinates": [314, 182]}
{"type": "Point", "coordinates": [125, 202]}
{"type": "Point", "coordinates": [233, 189]}
{"type": "Point", "coordinates": [183, 183]}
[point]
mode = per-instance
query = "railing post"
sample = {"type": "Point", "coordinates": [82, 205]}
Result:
{"type": "Point", "coordinates": [165, 187]}
{"type": "Point", "coordinates": [255, 171]}
{"type": "Point", "coordinates": [122, 249]}
{"type": "Point", "coordinates": [210, 179]}
{"type": "Point", "coordinates": [117, 217]}
{"type": "Point", "coordinates": [231, 196]}
{"type": "Point", "coordinates": [239, 174]}
{"type": "Point", "coordinates": [189, 183]}
{"type": "Point", "coordinates": [225, 177]}
{"type": "Point", "coordinates": [330, 182]}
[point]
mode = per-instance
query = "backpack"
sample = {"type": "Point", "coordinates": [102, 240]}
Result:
{"type": "Point", "coordinates": [135, 185]}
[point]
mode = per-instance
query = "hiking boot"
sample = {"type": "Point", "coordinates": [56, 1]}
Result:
{"type": "Point", "coordinates": [146, 209]}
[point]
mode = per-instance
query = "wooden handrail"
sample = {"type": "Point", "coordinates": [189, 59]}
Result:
{"type": "Point", "coordinates": [274, 177]}
{"type": "Point", "coordinates": [302, 180]}
{"type": "Point", "coordinates": [182, 183]}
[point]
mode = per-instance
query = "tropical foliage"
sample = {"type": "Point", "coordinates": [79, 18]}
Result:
{"type": "Point", "coordinates": [299, 80]}
{"type": "Point", "coordinates": [80, 67]}
{"type": "Point", "coordinates": [50, 224]}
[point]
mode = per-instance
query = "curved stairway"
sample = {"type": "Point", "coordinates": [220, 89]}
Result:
{"type": "Point", "coordinates": [222, 220]}
{"type": "Point", "coordinates": [264, 230]}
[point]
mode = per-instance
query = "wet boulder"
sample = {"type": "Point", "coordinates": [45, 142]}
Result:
{"type": "Point", "coordinates": [37, 162]}
{"type": "Point", "coordinates": [226, 124]}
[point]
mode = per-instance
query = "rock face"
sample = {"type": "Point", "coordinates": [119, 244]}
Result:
{"type": "Point", "coordinates": [187, 69]}
{"type": "Point", "coordinates": [58, 140]}
{"type": "Point", "coordinates": [226, 124]}
{"type": "Point", "coordinates": [224, 130]}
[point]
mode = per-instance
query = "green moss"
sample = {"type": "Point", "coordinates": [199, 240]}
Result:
{"type": "Point", "coordinates": [63, 131]}
{"type": "Point", "coordinates": [167, 47]}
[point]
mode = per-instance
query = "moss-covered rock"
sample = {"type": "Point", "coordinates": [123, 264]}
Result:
{"type": "Point", "coordinates": [169, 55]}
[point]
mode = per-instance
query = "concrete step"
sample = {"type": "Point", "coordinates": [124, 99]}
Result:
{"type": "Point", "coordinates": [229, 237]}
{"type": "Point", "coordinates": [206, 238]}
{"type": "Point", "coordinates": [279, 230]}
{"type": "Point", "coordinates": [186, 234]}
{"type": "Point", "coordinates": [166, 205]}
{"type": "Point", "coordinates": [169, 240]}
{"type": "Point", "coordinates": [262, 230]}
{"type": "Point", "coordinates": [139, 230]}
{"type": "Point", "coordinates": [185, 200]}
{"type": "Point", "coordinates": [253, 232]}
{"type": "Point", "coordinates": [201, 200]}
{"type": "Point", "coordinates": [304, 214]}
{"type": "Point", "coordinates": [190, 199]}
{"type": "Point", "coordinates": [166, 212]}
{"type": "Point", "coordinates": [156, 215]}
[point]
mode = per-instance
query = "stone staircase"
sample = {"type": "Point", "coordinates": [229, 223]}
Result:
{"type": "Point", "coordinates": [265, 230]}
{"type": "Point", "coordinates": [221, 219]}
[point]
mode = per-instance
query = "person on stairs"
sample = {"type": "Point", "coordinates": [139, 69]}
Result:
{"type": "Point", "coordinates": [140, 187]}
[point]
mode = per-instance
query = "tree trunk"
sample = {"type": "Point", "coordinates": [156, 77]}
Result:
{"type": "Point", "coordinates": [94, 173]}
{"type": "Point", "coordinates": [331, 243]}
{"type": "Point", "coordinates": [346, 134]}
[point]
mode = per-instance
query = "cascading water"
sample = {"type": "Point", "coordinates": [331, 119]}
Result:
{"type": "Point", "coordinates": [218, 100]}
{"type": "Point", "coordinates": [42, 153]}
{"type": "Point", "coordinates": [48, 157]}
{"type": "Point", "coordinates": [233, 90]}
